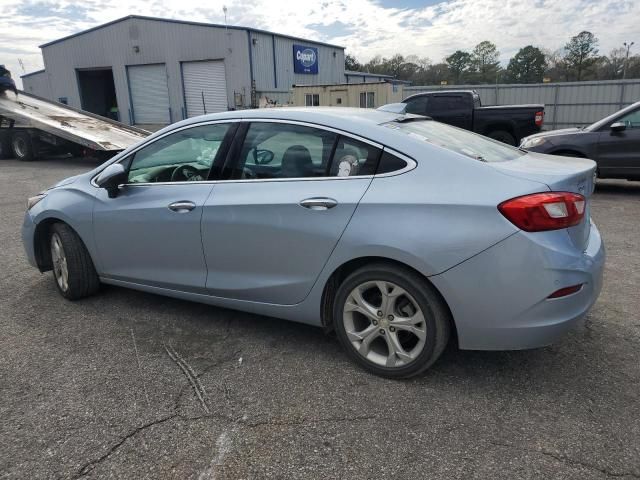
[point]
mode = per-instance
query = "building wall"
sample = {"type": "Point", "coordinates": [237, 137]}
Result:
{"type": "Point", "coordinates": [570, 104]}
{"type": "Point", "coordinates": [384, 93]}
{"type": "Point", "coordinates": [172, 43]}
{"type": "Point", "coordinates": [38, 84]}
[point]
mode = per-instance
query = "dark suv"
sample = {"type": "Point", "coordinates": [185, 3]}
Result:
{"type": "Point", "coordinates": [613, 143]}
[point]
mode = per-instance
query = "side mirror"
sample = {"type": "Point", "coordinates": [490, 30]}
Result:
{"type": "Point", "coordinates": [618, 127]}
{"type": "Point", "coordinates": [112, 176]}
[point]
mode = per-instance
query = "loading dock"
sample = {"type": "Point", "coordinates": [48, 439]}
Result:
{"type": "Point", "coordinates": [149, 94]}
{"type": "Point", "coordinates": [98, 91]}
{"type": "Point", "coordinates": [205, 87]}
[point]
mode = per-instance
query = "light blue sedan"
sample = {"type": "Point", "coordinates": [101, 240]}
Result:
{"type": "Point", "coordinates": [394, 230]}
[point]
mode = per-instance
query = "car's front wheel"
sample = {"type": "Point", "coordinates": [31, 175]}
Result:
{"type": "Point", "coordinates": [390, 320]}
{"type": "Point", "coordinates": [73, 269]}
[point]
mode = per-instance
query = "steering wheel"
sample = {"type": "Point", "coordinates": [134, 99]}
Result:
{"type": "Point", "coordinates": [186, 173]}
{"type": "Point", "coordinates": [248, 173]}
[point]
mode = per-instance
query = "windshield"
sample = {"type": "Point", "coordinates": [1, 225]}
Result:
{"type": "Point", "coordinates": [458, 140]}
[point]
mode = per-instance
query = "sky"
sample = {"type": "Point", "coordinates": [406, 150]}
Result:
{"type": "Point", "coordinates": [428, 28]}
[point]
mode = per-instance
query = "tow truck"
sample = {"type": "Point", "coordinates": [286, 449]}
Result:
{"type": "Point", "coordinates": [32, 127]}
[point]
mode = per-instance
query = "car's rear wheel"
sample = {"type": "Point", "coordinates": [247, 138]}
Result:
{"type": "Point", "coordinates": [502, 136]}
{"type": "Point", "coordinates": [73, 270]}
{"type": "Point", "coordinates": [390, 320]}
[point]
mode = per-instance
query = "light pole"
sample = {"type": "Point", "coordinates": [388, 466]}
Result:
{"type": "Point", "coordinates": [626, 60]}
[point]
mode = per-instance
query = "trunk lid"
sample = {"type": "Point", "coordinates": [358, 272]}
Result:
{"type": "Point", "coordinates": [560, 174]}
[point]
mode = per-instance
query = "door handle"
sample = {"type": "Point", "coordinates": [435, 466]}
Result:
{"type": "Point", "coordinates": [183, 206]}
{"type": "Point", "coordinates": [318, 203]}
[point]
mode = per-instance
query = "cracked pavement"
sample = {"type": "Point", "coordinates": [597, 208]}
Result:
{"type": "Point", "coordinates": [89, 389]}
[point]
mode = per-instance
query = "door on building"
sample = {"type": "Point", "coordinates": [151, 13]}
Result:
{"type": "Point", "coordinates": [205, 87]}
{"type": "Point", "coordinates": [98, 92]}
{"type": "Point", "coordinates": [149, 94]}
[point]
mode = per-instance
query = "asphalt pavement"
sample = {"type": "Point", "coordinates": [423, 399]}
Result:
{"type": "Point", "coordinates": [132, 385]}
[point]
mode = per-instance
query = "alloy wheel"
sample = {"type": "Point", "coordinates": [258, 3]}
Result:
{"type": "Point", "coordinates": [384, 324]}
{"type": "Point", "coordinates": [59, 260]}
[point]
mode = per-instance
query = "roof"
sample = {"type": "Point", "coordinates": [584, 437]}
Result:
{"type": "Point", "coordinates": [32, 73]}
{"type": "Point", "coordinates": [186, 22]}
{"type": "Point", "coordinates": [366, 74]}
{"type": "Point", "coordinates": [389, 81]}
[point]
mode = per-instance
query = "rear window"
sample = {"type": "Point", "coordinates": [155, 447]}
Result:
{"type": "Point", "coordinates": [458, 140]}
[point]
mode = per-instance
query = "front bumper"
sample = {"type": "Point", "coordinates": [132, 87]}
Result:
{"type": "Point", "coordinates": [28, 237]}
{"type": "Point", "coordinates": [499, 298]}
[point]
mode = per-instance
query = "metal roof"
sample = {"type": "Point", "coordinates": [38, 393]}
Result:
{"type": "Point", "coordinates": [366, 74]}
{"type": "Point", "coordinates": [32, 73]}
{"type": "Point", "coordinates": [186, 22]}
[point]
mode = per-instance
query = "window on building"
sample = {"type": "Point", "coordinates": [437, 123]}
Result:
{"type": "Point", "coordinates": [363, 100]}
{"type": "Point", "coordinates": [367, 100]}
{"type": "Point", "coordinates": [312, 100]}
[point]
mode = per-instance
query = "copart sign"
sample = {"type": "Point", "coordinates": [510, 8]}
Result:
{"type": "Point", "coordinates": [305, 59]}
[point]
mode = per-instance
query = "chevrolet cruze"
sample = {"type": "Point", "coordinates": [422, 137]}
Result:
{"type": "Point", "coordinates": [396, 231]}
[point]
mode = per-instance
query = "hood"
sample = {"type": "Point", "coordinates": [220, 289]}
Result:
{"type": "Point", "coordinates": [66, 181]}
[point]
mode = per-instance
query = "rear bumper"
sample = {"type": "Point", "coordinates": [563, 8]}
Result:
{"type": "Point", "coordinates": [499, 298]}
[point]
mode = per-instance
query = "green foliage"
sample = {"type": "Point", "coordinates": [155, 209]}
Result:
{"type": "Point", "coordinates": [460, 63]}
{"type": "Point", "coordinates": [581, 53]}
{"type": "Point", "coordinates": [527, 66]}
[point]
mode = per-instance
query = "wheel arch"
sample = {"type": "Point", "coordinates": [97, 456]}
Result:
{"type": "Point", "coordinates": [345, 269]}
{"type": "Point", "coordinates": [41, 237]}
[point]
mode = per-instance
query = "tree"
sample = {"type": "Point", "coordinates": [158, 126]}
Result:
{"type": "Point", "coordinates": [486, 61]}
{"type": "Point", "coordinates": [350, 63]}
{"type": "Point", "coordinates": [527, 66]}
{"type": "Point", "coordinates": [581, 53]}
{"type": "Point", "coordinates": [612, 66]}
{"type": "Point", "coordinates": [459, 64]}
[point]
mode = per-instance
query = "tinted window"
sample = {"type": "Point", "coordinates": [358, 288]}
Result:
{"type": "Point", "coordinates": [439, 103]}
{"type": "Point", "coordinates": [353, 157]}
{"type": "Point", "coordinates": [186, 155]}
{"type": "Point", "coordinates": [458, 140]}
{"type": "Point", "coordinates": [631, 120]}
{"type": "Point", "coordinates": [280, 150]}
{"type": "Point", "coordinates": [417, 105]}
{"type": "Point", "coordinates": [390, 163]}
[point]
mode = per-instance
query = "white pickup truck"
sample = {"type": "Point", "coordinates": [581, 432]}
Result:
{"type": "Point", "coordinates": [31, 127]}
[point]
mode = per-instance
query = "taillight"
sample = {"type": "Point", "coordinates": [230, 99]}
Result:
{"type": "Point", "coordinates": [544, 211]}
{"type": "Point", "coordinates": [563, 292]}
{"type": "Point", "coordinates": [539, 118]}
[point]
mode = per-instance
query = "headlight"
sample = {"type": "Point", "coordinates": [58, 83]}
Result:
{"type": "Point", "coordinates": [31, 201]}
{"type": "Point", "coordinates": [532, 142]}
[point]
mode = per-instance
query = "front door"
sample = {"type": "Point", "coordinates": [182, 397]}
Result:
{"type": "Point", "coordinates": [150, 233]}
{"type": "Point", "coordinates": [268, 233]}
{"type": "Point", "coordinates": [619, 152]}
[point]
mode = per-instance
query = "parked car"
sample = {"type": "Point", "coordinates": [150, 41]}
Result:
{"type": "Point", "coordinates": [613, 142]}
{"type": "Point", "coordinates": [392, 229]}
{"type": "Point", "coordinates": [463, 108]}
{"type": "Point", "coordinates": [6, 82]}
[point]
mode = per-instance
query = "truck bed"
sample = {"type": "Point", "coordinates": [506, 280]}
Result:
{"type": "Point", "coordinates": [77, 126]}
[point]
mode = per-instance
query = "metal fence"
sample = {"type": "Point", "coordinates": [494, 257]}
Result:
{"type": "Point", "coordinates": [567, 104]}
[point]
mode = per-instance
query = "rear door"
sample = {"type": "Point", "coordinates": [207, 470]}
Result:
{"type": "Point", "coordinates": [618, 153]}
{"type": "Point", "coordinates": [268, 231]}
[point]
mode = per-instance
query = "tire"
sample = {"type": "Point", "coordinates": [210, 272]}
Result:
{"type": "Point", "coordinates": [81, 277]}
{"type": "Point", "coordinates": [23, 146]}
{"type": "Point", "coordinates": [5, 145]}
{"type": "Point", "coordinates": [502, 136]}
{"type": "Point", "coordinates": [418, 296]}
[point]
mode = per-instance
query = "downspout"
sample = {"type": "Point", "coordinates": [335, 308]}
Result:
{"type": "Point", "coordinates": [252, 83]}
{"type": "Point", "coordinates": [275, 72]}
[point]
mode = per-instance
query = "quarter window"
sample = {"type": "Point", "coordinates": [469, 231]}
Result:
{"type": "Point", "coordinates": [390, 163]}
{"type": "Point", "coordinates": [186, 155]}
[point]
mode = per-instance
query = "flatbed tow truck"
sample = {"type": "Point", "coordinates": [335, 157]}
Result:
{"type": "Point", "coordinates": [32, 127]}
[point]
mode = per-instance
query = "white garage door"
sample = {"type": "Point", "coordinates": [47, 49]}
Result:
{"type": "Point", "coordinates": [205, 87]}
{"type": "Point", "coordinates": [149, 94]}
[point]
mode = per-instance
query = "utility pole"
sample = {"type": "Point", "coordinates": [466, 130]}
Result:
{"type": "Point", "coordinates": [626, 60]}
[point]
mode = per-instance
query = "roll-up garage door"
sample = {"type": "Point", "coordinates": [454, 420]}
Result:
{"type": "Point", "coordinates": [205, 87]}
{"type": "Point", "coordinates": [149, 94]}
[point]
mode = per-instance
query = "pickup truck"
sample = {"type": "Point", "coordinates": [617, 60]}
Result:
{"type": "Point", "coordinates": [462, 108]}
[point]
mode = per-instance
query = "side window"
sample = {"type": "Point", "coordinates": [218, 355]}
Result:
{"type": "Point", "coordinates": [186, 155]}
{"type": "Point", "coordinates": [353, 157]}
{"type": "Point", "coordinates": [417, 105]}
{"type": "Point", "coordinates": [390, 163]}
{"type": "Point", "coordinates": [280, 150]}
{"type": "Point", "coordinates": [631, 120]}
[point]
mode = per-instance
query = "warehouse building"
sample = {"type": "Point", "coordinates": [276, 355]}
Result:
{"type": "Point", "coordinates": [151, 72]}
